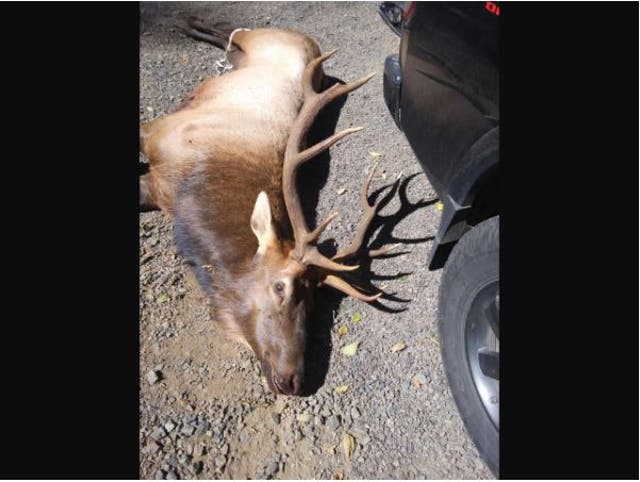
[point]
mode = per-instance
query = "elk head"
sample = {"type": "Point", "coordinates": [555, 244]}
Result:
{"type": "Point", "coordinates": [286, 272]}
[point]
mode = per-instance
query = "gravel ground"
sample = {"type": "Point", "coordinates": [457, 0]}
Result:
{"type": "Point", "coordinates": [204, 410]}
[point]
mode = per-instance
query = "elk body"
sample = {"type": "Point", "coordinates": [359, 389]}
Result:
{"type": "Point", "coordinates": [224, 166]}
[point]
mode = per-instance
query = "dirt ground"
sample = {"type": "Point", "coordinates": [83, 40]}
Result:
{"type": "Point", "coordinates": [204, 410]}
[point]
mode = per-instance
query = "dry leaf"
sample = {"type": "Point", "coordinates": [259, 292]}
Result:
{"type": "Point", "coordinates": [439, 207]}
{"type": "Point", "coordinates": [342, 330]}
{"type": "Point", "coordinates": [398, 347]}
{"type": "Point", "coordinates": [338, 475]}
{"type": "Point", "coordinates": [341, 388]}
{"type": "Point", "coordinates": [350, 349]}
{"type": "Point", "coordinates": [375, 154]}
{"type": "Point", "coordinates": [341, 191]}
{"type": "Point", "coordinates": [162, 299]}
{"type": "Point", "coordinates": [348, 446]}
{"type": "Point", "coordinates": [356, 317]}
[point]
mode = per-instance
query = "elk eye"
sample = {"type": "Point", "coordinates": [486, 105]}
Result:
{"type": "Point", "coordinates": [279, 288]}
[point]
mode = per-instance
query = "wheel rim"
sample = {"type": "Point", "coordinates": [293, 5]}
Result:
{"type": "Point", "coordinates": [483, 350]}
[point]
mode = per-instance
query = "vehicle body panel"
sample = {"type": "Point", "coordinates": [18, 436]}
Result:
{"type": "Point", "coordinates": [442, 89]}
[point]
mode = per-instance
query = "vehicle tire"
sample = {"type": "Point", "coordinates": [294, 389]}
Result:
{"type": "Point", "coordinates": [469, 334]}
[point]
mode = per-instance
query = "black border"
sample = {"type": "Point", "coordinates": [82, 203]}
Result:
{"type": "Point", "coordinates": [69, 354]}
{"type": "Point", "coordinates": [569, 240]}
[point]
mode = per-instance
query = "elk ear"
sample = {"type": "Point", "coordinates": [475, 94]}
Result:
{"type": "Point", "coordinates": [261, 223]}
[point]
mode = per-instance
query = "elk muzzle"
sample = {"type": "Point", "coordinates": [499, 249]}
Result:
{"type": "Point", "coordinates": [286, 382]}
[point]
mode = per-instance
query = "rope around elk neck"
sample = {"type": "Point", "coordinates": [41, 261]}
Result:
{"type": "Point", "coordinates": [223, 65]}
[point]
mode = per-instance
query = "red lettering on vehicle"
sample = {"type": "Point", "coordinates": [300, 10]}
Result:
{"type": "Point", "coordinates": [492, 7]}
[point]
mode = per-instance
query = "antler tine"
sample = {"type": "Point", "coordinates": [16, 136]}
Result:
{"type": "Point", "coordinates": [384, 250]}
{"type": "Point", "coordinates": [346, 288]}
{"type": "Point", "coordinates": [307, 76]}
{"type": "Point", "coordinates": [315, 234]}
{"type": "Point", "coordinates": [369, 214]}
{"type": "Point", "coordinates": [313, 103]}
{"type": "Point", "coordinates": [313, 257]}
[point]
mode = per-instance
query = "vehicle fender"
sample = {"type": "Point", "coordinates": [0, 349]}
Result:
{"type": "Point", "coordinates": [457, 205]}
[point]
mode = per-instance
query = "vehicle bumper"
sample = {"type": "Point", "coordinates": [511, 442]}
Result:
{"type": "Point", "coordinates": [392, 83]}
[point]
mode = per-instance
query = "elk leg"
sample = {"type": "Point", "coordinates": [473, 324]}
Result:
{"type": "Point", "coordinates": [147, 202]}
{"type": "Point", "coordinates": [196, 29]}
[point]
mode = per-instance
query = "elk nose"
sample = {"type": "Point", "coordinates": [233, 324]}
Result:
{"type": "Point", "coordinates": [288, 385]}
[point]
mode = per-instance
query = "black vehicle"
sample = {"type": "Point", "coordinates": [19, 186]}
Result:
{"type": "Point", "coordinates": [442, 90]}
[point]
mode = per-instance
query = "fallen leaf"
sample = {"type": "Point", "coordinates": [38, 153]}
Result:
{"type": "Point", "coordinates": [356, 317]}
{"type": "Point", "coordinates": [404, 277]}
{"type": "Point", "coordinates": [341, 389]}
{"type": "Point", "coordinates": [341, 191]}
{"type": "Point", "coordinates": [434, 340]}
{"type": "Point", "coordinates": [338, 475]}
{"type": "Point", "coordinates": [348, 446]}
{"type": "Point", "coordinates": [342, 330]}
{"type": "Point", "coordinates": [162, 299]}
{"type": "Point", "coordinates": [208, 267]}
{"type": "Point", "coordinates": [398, 347]}
{"type": "Point", "coordinates": [350, 349]}
{"type": "Point", "coordinates": [375, 154]}
{"type": "Point", "coordinates": [439, 207]}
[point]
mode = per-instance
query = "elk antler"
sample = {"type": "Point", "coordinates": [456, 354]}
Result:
{"type": "Point", "coordinates": [305, 250]}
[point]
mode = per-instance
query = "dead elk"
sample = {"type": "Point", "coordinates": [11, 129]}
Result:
{"type": "Point", "coordinates": [224, 166]}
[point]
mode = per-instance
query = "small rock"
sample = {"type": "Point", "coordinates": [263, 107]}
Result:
{"type": "Point", "coordinates": [224, 450]}
{"type": "Point", "coordinates": [187, 430]}
{"type": "Point", "coordinates": [199, 451]}
{"type": "Point", "coordinates": [158, 433]}
{"type": "Point", "coordinates": [183, 458]}
{"type": "Point", "coordinates": [171, 475]}
{"type": "Point", "coordinates": [169, 426]}
{"type": "Point", "coordinates": [153, 448]}
{"type": "Point", "coordinates": [153, 377]}
{"type": "Point", "coordinates": [355, 413]}
{"type": "Point", "coordinates": [272, 468]}
{"type": "Point", "coordinates": [159, 475]}
{"type": "Point", "coordinates": [275, 417]}
{"type": "Point", "coordinates": [245, 437]}
{"type": "Point", "coordinates": [197, 467]}
{"type": "Point", "coordinates": [333, 423]}
{"type": "Point", "coordinates": [318, 420]}
{"type": "Point", "coordinates": [202, 427]}
{"type": "Point", "coordinates": [419, 380]}
{"type": "Point", "coordinates": [220, 460]}
{"type": "Point", "coordinates": [304, 418]}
